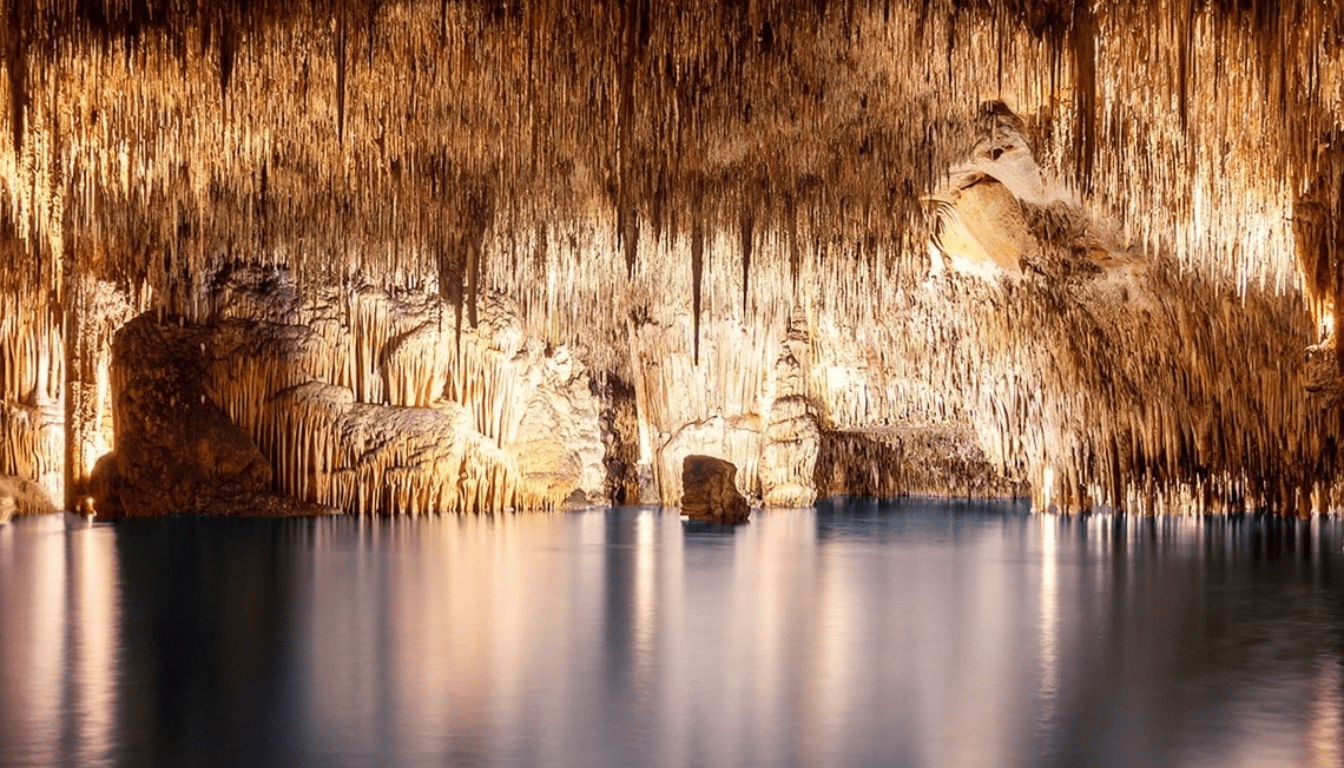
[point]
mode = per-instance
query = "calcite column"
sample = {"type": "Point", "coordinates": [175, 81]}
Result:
{"type": "Point", "coordinates": [91, 315]}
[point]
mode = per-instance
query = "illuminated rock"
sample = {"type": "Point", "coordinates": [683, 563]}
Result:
{"type": "Point", "coordinates": [1102, 283]}
{"type": "Point", "coordinates": [376, 402]}
{"type": "Point", "coordinates": [792, 438]}
{"type": "Point", "coordinates": [177, 451]}
{"type": "Point", "coordinates": [23, 497]}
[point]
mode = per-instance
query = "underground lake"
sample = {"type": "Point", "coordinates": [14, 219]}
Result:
{"type": "Point", "coordinates": [908, 632]}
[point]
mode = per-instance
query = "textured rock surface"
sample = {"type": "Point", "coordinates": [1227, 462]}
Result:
{"type": "Point", "coordinates": [1128, 334]}
{"type": "Point", "coordinates": [177, 451]}
{"type": "Point", "coordinates": [909, 462]}
{"type": "Point", "coordinates": [711, 491]}
{"type": "Point", "coordinates": [23, 497]}
{"type": "Point", "coordinates": [1021, 362]}
{"type": "Point", "coordinates": [792, 439]}
{"type": "Point", "coordinates": [375, 401]}
{"type": "Point", "coordinates": [620, 439]}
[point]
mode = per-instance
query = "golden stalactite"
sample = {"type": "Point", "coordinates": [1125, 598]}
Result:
{"type": "Point", "coordinates": [736, 160]}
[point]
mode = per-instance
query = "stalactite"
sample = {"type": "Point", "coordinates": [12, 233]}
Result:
{"type": "Point", "coordinates": [697, 269]}
{"type": "Point", "coordinates": [748, 228]}
{"type": "Point", "coordinates": [156, 141]}
{"type": "Point", "coordinates": [342, 63]}
{"type": "Point", "coordinates": [1084, 51]}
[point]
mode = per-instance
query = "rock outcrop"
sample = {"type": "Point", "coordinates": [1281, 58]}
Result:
{"type": "Point", "coordinates": [22, 497]}
{"type": "Point", "coordinates": [792, 436]}
{"type": "Point", "coordinates": [177, 451]}
{"type": "Point", "coordinates": [373, 458]}
{"type": "Point", "coordinates": [711, 491]}
{"type": "Point", "coordinates": [909, 461]}
{"type": "Point", "coordinates": [375, 401]}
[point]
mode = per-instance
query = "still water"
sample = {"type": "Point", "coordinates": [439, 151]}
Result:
{"type": "Point", "coordinates": [910, 633]}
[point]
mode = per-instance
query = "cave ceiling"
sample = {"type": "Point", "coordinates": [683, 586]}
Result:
{"type": "Point", "coordinates": [494, 143]}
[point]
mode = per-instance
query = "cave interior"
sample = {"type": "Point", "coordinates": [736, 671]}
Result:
{"type": "Point", "coordinates": [417, 256]}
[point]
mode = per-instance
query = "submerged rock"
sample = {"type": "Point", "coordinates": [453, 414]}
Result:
{"type": "Point", "coordinates": [710, 491]}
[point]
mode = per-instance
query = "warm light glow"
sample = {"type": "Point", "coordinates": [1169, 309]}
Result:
{"type": "Point", "coordinates": [437, 223]}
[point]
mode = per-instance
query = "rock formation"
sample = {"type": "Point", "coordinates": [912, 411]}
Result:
{"type": "Point", "coordinates": [911, 461]}
{"type": "Point", "coordinates": [431, 272]}
{"type": "Point", "coordinates": [177, 451]}
{"type": "Point", "coordinates": [376, 406]}
{"type": "Point", "coordinates": [22, 497]}
{"type": "Point", "coordinates": [792, 437]}
{"type": "Point", "coordinates": [711, 491]}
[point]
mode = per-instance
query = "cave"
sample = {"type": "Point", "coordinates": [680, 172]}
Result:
{"type": "Point", "coordinates": [671, 383]}
{"type": "Point", "coordinates": [483, 256]}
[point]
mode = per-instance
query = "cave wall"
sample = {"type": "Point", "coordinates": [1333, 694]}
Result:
{"type": "Point", "coordinates": [474, 255]}
{"type": "Point", "coordinates": [370, 400]}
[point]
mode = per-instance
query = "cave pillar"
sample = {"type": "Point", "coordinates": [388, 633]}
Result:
{"type": "Point", "coordinates": [88, 332]}
{"type": "Point", "coordinates": [648, 482]}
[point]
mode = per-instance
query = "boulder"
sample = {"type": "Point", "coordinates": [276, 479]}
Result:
{"type": "Point", "coordinates": [709, 491]}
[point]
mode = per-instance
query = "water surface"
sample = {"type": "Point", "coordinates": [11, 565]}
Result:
{"type": "Point", "coordinates": [911, 633]}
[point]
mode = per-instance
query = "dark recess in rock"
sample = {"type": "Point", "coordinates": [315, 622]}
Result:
{"type": "Point", "coordinates": [177, 451]}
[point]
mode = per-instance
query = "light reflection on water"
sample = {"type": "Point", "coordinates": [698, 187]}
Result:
{"type": "Point", "coordinates": [59, 607]}
{"type": "Point", "coordinates": [861, 633]}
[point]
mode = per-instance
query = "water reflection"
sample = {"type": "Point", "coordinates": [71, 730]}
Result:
{"type": "Point", "coordinates": [859, 633]}
{"type": "Point", "coordinates": [1325, 732]}
{"type": "Point", "coordinates": [59, 607]}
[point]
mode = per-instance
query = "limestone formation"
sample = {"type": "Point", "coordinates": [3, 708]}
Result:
{"type": "Point", "coordinates": [374, 406]}
{"type": "Point", "coordinates": [23, 497]}
{"type": "Point", "coordinates": [910, 461]}
{"type": "Point", "coordinates": [444, 228]}
{"type": "Point", "coordinates": [792, 438]}
{"type": "Point", "coordinates": [177, 451]}
{"type": "Point", "coordinates": [711, 491]}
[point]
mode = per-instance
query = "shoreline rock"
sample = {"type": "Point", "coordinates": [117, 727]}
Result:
{"type": "Point", "coordinates": [710, 491]}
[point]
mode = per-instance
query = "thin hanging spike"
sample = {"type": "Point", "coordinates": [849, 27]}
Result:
{"type": "Point", "coordinates": [748, 225]}
{"type": "Point", "coordinates": [228, 50]}
{"type": "Point", "coordinates": [1184, 52]}
{"type": "Point", "coordinates": [795, 253]}
{"type": "Point", "coordinates": [480, 213]}
{"type": "Point", "coordinates": [369, 25]}
{"type": "Point", "coordinates": [626, 215]}
{"type": "Point", "coordinates": [1084, 49]}
{"type": "Point", "coordinates": [450, 282]}
{"type": "Point", "coordinates": [16, 64]}
{"type": "Point", "coordinates": [697, 266]}
{"type": "Point", "coordinates": [262, 202]}
{"type": "Point", "coordinates": [540, 247]}
{"type": "Point", "coordinates": [657, 204]}
{"type": "Point", "coordinates": [341, 41]}
{"type": "Point", "coordinates": [630, 239]}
